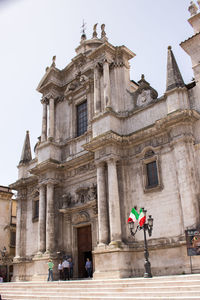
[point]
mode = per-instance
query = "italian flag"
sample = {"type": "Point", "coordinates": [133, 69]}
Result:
{"type": "Point", "coordinates": [141, 218]}
{"type": "Point", "coordinates": [133, 216]}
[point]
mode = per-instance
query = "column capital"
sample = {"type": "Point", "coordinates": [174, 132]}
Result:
{"type": "Point", "coordinates": [48, 181]}
{"type": "Point", "coordinates": [112, 160]}
{"type": "Point", "coordinates": [44, 100]}
{"type": "Point", "coordinates": [101, 163]}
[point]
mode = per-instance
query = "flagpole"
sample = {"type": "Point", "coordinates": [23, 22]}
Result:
{"type": "Point", "coordinates": [147, 264]}
{"type": "Point", "coordinates": [146, 226]}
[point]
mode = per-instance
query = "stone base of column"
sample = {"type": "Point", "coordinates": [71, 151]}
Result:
{"type": "Point", "coordinates": [111, 263]}
{"type": "Point", "coordinates": [116, 244]}
{"type": "Point", "coordinates": [101, 246]}
{"type": "Point", "coordinates": [35, 269]}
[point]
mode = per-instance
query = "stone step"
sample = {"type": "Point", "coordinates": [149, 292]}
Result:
{"type": "Point", "coordinates": [33, 297]}
{"type": "Point", "coordinates": [166, 287]}
{"type": "Point", "coordinates": [98, 282]}
{"type": "Point", "coordinates": [110, 289]}
{"type": "Point", "coordinates": [106, 293]}
{"type": "Point", "coordinates": [60, 285]}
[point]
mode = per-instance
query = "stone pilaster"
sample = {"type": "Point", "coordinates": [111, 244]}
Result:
{"type": "Point", "coordinates": [18, 229]}
{"type": "Point", "coordinates": [44, 121]}
{"type": "Point", "coordinates": [183, 152]}
{"type": "Point", "coordinates": [42, 220]}
{"type": "Point", "coordinates": [102, 205]}
{"type": "Point", "coordinates": [50, 227]}
{"type": "Point", "coordinates": [106, 84]}
{"type": "Point", "coordinates": [51, 119]}
{"type": "Point", "coordinates": [97, 103]}
{"type": "Point", "coordinates": [114, 205]}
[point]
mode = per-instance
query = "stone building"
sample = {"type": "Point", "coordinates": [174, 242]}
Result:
{"type": "Point", "coordinates": [108, 144]}
{"type": "Point", "coordinates": [7, 232]}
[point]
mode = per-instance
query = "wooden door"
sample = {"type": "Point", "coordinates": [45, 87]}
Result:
{"type": "Point", "coordinates": [84, 237]}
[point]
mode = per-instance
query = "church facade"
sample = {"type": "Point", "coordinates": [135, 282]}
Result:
{"type": "Point", "coordinates": [109, 144]}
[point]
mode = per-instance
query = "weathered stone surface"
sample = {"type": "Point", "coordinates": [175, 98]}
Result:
{"type": "Point", "coordinates": [93, 180]}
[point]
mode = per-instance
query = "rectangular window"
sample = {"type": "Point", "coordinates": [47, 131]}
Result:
{"type": "Point", "coordinates": [81, 118]}
{"type": "Point", "coordinates": [152, 174]}
{"type": "Point", "coordinates": [36, 209]}
{"type": "Point", "coordinates": [12, 238]}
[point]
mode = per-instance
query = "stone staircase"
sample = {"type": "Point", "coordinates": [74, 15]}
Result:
{"type": "Point", "coordinates": [166, 287]}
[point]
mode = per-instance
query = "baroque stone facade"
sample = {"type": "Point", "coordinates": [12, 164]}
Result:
{"type": "Point", "coordinates": [109, 144]}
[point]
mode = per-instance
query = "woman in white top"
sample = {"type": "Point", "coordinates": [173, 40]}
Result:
{"type": "Point", "coordinates": [60, 269]}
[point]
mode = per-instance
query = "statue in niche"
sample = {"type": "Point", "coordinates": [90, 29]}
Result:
{"type": "Point", "coordinates": [93, 192]}
{"type": "Point", "coordinates": [83, 195]}
{"type": "Point", "coordinates": [67, 200]}
{"type": "Point", "coordinates": [83, 79]}
{"type": "Point", "coordinates": [71, 86]}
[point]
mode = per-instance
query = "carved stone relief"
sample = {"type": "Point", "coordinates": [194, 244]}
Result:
{"type": "Point", "coordinates": [80, 217]}
{"type": "Point", "coordinates": [79, 80]}
{"type": "Point", "coordinates": [82, 196]}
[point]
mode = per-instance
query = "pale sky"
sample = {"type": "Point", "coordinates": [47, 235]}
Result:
{"type": "Point", "coordinates": [33, 31]}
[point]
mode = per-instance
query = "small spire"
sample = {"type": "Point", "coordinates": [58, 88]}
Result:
{"type": "Point", "coordinates": [174, 77]}
{"type": "Point", "coordinates": [94, 35]}
{"type": "Point", "coordinates": [26, 151]}
{"type": "Point", "coordinates": [193, 8]}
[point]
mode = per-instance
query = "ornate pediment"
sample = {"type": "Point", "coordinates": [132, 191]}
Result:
{"type": "Point", "coordinates": [50, 78]}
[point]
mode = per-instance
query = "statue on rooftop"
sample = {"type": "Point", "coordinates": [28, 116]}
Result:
{"type": "Point", "coordinates": [103, 33]}
{"type": "Point", "coordinates": [94, 35]}
{"type": "Point", "coordinates": [193, 8]}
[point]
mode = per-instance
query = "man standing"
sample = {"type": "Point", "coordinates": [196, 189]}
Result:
{"type": "Point", "coordinates": [71, 264]}
{"type": "Point", "coordinates": [65, 265]}
{"type": "Point", "coordinates": [88, 267]}
{"type": "Point", "coordinates": [50, 272]}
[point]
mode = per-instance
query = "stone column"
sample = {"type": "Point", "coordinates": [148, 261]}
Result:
{"type": "Point", "coordinates": [51, 119]}
{"type": "Point", "coordinates": [50, 215]}
{"type": "Point", "coordinates": [114, 205]}
{"type": "Point", "coordinates": [102, 205]}
{"type": "Point", "coordinates": [97, 103]}
{"type": "Point", "coordinates": [44, 122]}
{"type": "Point", "coordinates": [106, 84]}
{"type": "Point", "coordinates": [18, 229]}
{"type": "Point", "coordinates": [42, 220]}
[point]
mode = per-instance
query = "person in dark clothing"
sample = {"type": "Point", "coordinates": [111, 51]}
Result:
{"type": "Point", "coordinates": [88, 267]}
{"type": "Point", "coordinates": [65, 265]}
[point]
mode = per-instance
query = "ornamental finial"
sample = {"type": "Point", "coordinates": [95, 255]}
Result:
{"type": "Point", "coordinates": [94, 35]}
{"type": "Point", "coordinates": [53, 61]}
{"type": "Point", "coordinates": [103, 33]}
{"type": "Point", "coordinates": [192, 8]}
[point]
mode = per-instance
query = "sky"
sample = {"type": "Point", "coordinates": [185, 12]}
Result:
{"type": "Point", "coordinates": [33, 31]}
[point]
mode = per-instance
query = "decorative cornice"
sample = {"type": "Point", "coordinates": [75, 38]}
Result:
{"type": "Point", "coordinates": [81, 207]}
{"type": "Point", "coordinates": [23, 182]}
{"type": "Point", "coordinates": [76, 161]}
{"type": "Point", "coordinates": [49, 164]}
{"type": "Point", "coordinates": [110, 137]}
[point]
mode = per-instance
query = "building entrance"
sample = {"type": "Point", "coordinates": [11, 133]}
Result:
{"type": "Point", "coordinates": [84, 238]}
